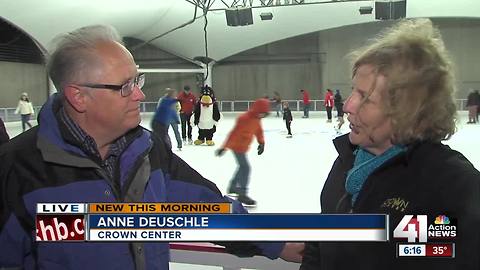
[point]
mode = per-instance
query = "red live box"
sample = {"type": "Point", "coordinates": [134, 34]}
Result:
{"type": "Point", "coordinates": [440, 250]}
{"type": "Point", "coordinates": [60, 227]}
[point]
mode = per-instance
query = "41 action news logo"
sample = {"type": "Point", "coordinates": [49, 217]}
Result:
{"type": "Point", "coordinates": [415, 227]}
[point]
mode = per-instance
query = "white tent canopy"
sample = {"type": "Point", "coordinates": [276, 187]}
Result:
{"type": "Point", "coordinates": [145, 19]}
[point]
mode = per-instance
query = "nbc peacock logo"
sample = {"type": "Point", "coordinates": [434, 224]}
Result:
{"type": "Point", "coordinates": [442, 219]}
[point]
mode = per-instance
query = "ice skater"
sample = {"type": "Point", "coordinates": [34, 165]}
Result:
{"type": "Point", "coordinates": [338, 101]}
{"type": "Point", "coordinates": [187, 101]}
{"type": "Point", "coordinates": [248, 125]}
{"type": "Point", "coordinates": [25, 108]}
{"type": "Point", "coordinates": [165, 116]}
{"type": "Point", "coordinates": [306, 102]}
{"type": "Point", "coordinates": [329, 102]}
{"type": "Point", "coordinates": [287, 116]}
{"type": "Point", "coordinates": [277, 102]}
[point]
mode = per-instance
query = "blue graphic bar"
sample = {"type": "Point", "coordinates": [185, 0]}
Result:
{"type": "Point", "coordinates": [237, 221]}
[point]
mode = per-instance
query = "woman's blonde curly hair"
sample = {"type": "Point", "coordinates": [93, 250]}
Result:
{"type": "Point", "coordinates": [420, 81]}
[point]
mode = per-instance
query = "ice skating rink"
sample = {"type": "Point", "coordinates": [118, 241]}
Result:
{"type": "Point", "coordinates": [289, 175]}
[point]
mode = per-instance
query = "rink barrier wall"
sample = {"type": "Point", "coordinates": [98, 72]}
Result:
{"type": "Point", "coordinates": [8, 114]}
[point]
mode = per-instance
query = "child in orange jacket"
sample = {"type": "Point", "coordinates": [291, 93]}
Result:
{"type": "Point", "coordinates": [248, 125]}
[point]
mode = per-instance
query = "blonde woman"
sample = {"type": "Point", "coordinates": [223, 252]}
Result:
{"type": "Point", "coordinates": [393, 161]}
{"type": "Point", "coordinates": [25, 108]}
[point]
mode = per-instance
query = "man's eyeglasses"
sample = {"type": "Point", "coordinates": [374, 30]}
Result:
{"type": "Point", "coordinates": [125, 90]}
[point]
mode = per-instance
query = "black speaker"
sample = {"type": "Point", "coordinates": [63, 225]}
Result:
{"type": "Point", "coordinates": [390, 10]}
{"type": "Point", "coordinates": [266, 16]}
{"type": "Point", "coordinates": [239, 16]}
{"type": "Point", "coordinates": [365, 10]}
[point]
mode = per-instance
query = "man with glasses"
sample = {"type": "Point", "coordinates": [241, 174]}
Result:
{"type": "Point", "coordinates": [89, 147]}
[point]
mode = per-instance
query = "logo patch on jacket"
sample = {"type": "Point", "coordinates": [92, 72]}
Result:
{"type": "Point", "coordinates": [398, 204]}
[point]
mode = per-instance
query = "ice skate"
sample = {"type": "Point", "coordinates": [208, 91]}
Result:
{"type": "Point", "coordinates": [233, 196]}
{"type": "Point", "coordinates": [247, 201]}
{"type": "Point", "coordinates": [232, 193]}
{"type": "Point", "coordinates": [289, 136]}
{"type": "Point", "coordinates": [190, 141]}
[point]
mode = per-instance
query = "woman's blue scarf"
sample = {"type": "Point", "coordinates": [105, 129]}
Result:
{"type": "Point", "coordinates": [365, 163]}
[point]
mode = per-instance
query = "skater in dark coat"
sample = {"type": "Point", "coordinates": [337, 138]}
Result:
{"type": "Point", "coordinates": [338, 101]}
{"type": "Point", "coordinates": [472, 105]}
{"type": "Point", "coordinates": [287, 116]}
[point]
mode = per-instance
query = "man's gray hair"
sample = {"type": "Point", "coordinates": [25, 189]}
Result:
{"type": "Point", "coordinates": [72, 53]}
